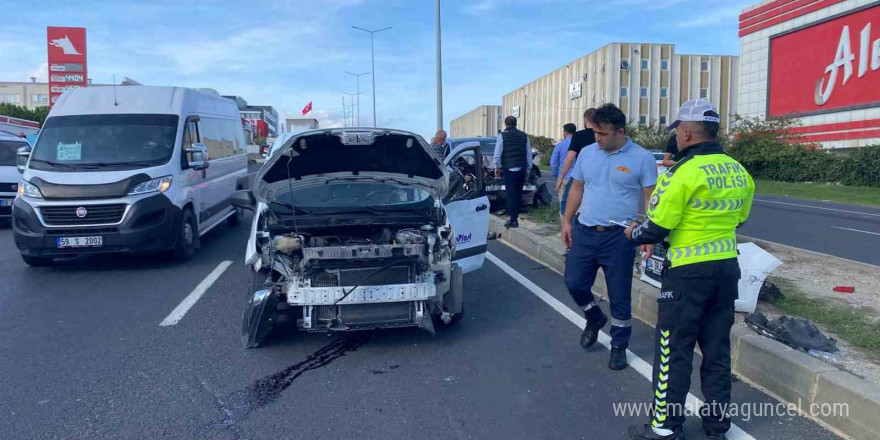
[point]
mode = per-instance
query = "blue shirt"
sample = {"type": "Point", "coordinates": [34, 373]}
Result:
{"type": "Point", "coordinates": [499, 148]}
{"type": "Point", "coordinates": [613, 182]}
{"type": "Point", "coordinates": [557, 159]}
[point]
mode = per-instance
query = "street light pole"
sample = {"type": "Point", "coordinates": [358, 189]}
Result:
{"type": "Point", "coordinates": [373, 62]}
{"type": "Point", "coordinates": [439, 75]}
{"type": "Point", "coordinates": [351, 115]}
{"type": "Point", "coordinates": [358, 76]}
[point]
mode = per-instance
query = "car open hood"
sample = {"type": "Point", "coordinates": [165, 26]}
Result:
{"type": "Point", "coordinates": [321, 155]}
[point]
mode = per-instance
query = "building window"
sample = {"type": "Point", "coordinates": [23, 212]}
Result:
{"type": "Point", "coordinates": [624, 64]}
{"type": "Point", "coordinates": [662, 119]}
{"type": "Point", "coordinates": [10, 98]}
{"type": "Point", "coordinates": [643, 92]}
{"type": "Point", "coordinates": [704, 66]}
{"type": "Point", "coordinates": [664, 65]}
{"type": "Point", "coordinates": [40, 99]}
{"type": "Point", "coordinates": [664, 92]}
{"type": "Point", "coordinates": [704, 93]}
{"type": "Point", "coordinates": [644, 64]}
{"type": "Point", "coordinates": [624, 92]}
{"type": "Point", "coordinates": [643, 119]}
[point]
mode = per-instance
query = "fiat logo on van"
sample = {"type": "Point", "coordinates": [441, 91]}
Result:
{"type": "Point", "coordinates": [81, 212]}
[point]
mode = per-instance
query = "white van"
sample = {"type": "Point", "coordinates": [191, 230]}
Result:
{"type": "Point", "coordinates": [129, 169]}
{"type": "Point", "coordinates": [9, 177]}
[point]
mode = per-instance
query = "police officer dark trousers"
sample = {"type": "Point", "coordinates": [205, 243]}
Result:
{"type": "Point", "coordinates": [696, 206]}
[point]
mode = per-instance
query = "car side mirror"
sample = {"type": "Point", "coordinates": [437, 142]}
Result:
{"type": "Point", "coordinates": [244, 199]}
{"type": "Point", "coordinates": [21, 158]}
{"type": "Point", "coordinates": [198, 156]}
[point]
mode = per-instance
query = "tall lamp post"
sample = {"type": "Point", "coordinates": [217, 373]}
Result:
{"type": "Point", "coordinates": [351, 115]}
{"type": "Point", "coordinates": [439, 75]}
{"type": "Point", "coordinates": [373, 62]}
{"type": "Point", "coordinates": [358, 76]}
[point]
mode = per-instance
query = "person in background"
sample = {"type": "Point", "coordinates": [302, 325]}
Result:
{"type": "Point", "coordinates": [610, 177]}
{"type": "Point", "coordinates": [697, 207]}
{"type": "Point", "coordinates": [440, 144]}
{"type": "Point", "coordinates": [671, 152]}
{"type": "Point", "coordinates": [560, 152]}
{"type": "Point", "coordinates": [580, 140]}
{"type": "Point", "coordinates": [513, 153]}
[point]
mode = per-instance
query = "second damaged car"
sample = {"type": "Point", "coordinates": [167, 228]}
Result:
{"type": "Point", "coordinates": [362, 229]}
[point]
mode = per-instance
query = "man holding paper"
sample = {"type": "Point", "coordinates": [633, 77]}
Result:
{"type": "Point", "coordinates": [610, 177]}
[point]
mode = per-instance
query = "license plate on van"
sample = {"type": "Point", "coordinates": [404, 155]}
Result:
{"type": "Point", "coordinates": [73, 242]}
{"type": "Point", "coordinates": [6, 202]}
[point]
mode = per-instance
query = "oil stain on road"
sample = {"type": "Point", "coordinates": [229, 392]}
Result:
{"type": "Point", "coordinates": [238, 405]}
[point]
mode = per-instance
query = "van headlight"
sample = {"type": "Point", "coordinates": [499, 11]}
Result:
{"type": "Point", "coordinates": [160, 184]}
{"type": "Point", "coordinates": [26, 189]}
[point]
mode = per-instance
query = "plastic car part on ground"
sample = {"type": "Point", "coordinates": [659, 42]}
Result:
{"type": "Point", "coordinates": [797, 333]}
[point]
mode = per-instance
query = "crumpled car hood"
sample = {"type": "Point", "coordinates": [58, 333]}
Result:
{"type": "Point", "coordinates": [322, 155]}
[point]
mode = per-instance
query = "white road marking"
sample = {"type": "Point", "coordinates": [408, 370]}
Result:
{"type": "Point", "coordinates": [817, 207]}
{"type": "Point", "coordinates": [642, 367]}
{"type": "Point", "coordinates": [856, 230]}
{"type": "Point", "coordinates": [177, 314]}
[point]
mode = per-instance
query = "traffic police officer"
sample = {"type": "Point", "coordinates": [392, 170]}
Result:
{"type": "Point", "coordinates": [697, 207]}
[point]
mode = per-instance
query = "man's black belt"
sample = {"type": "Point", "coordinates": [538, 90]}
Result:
{"type": "Point", "coordinates": [604, 228]}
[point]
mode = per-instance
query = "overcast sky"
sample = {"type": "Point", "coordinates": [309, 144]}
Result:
{"type": "Point", "coordinates": [287, 53]}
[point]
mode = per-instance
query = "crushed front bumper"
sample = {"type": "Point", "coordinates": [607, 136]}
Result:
{"type": "Point", "coordinates": [365, 307]}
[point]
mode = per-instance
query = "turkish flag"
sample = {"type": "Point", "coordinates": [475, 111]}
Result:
{"type": "Point", "coordinates": [308, 108]}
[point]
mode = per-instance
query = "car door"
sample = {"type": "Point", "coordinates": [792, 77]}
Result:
{"type": "Point", "coordinates": [468, 207]}
{"type": "Point", "coordinates": [195, 179]}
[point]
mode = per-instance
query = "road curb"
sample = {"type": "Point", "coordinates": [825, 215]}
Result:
{"type": "Point", "coordinates": [786, 374]}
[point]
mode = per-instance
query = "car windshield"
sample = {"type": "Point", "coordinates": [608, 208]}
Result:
{"type": "Point", "coordinates": [86, 142]}
{"type": "Point", "coordinates": [8, 150]}
{"type": "Point", "coordinates": [350, 195]}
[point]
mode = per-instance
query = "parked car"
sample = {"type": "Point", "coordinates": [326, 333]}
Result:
{"type": "Point", "coordinates": [495, 188]}
{"type": "Point", "coordinates": [362, 228]}
{"type": "Point", "coordinates": [9, 177]}
{"type": "Point", "coordinates": [134, 169]}
{"type": "Point", "coordinates": [658, 156]}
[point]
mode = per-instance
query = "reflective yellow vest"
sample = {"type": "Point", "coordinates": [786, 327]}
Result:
{"type": "Point", "coordinates": [702, 200]}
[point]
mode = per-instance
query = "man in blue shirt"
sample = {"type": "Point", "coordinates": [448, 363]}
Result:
{"type": "Point", "coordinates": [557, 159]}
{"type": "Point", "coordinates": [513, 154]}
{"type": "Point", "coordinates": [609, 179]}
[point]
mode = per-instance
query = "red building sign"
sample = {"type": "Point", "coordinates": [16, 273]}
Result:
{"type": "Point", "coordinates": [829, 66]}
{"type": "Point", "coordinates": [67, 60]}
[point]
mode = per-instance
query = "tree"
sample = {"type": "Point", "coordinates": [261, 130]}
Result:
{"type": "Point", "coordinates": [17, 111]}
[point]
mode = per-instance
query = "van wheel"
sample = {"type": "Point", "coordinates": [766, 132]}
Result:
{"type": "Point", "coordinates": [234, 219]}
{"type": "Point", "coordinates": [187, 236]}
{"type": "Point", "coordinates": [37, 261]}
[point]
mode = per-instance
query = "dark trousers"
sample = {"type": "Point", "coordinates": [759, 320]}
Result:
{"type": "Point", "coordinates": [695, 306]}
{"type": "Point", "coordinates": [513, 183]}
{"type": "Point", "coordinates": [616, 255]}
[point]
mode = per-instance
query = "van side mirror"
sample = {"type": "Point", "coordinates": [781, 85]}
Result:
{"type": "Point", "coordinates": [244, 199]}
{"type": "Point", "coordinates": [198, 156]}
{"type": "Point", "coordinates": [21, 158]}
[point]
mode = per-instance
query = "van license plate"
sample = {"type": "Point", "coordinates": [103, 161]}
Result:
{"type": "Point", "coordinates": [6, 202]}
{"type": "Point", "coordinates": [73, 242]}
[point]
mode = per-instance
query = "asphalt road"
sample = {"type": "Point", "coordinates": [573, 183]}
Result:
{"type": "Point", "coordinates": [82, 356]}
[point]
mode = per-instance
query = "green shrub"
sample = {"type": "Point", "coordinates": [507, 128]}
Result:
{"type": "Point", "coordinates": [648, 136]}
{"type": "Point", "coordinates": [16, 111]}
{"type": "Point", "coordinates": [544, 145]}
{"type": "Point", "coordinates": [768, 150]}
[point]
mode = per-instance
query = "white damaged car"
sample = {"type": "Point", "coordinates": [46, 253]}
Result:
{"type": "Point", "coordinates": [359, 229]}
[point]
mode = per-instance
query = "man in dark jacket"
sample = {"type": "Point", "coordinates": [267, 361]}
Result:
{"type": "Point", "coordinates": [513, 155]}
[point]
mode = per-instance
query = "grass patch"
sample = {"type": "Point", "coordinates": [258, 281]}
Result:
{"type": "Point", "coordinates": [543, 167]}
{"type": "Point", "coordinates": [846, 322]}
{"type": "Point", "coordinates": [545, 214]}
{"type": "Point", "coordinates": [851, 195]}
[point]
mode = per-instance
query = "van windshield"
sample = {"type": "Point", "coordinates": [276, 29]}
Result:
{"type": "Point", "coordinates": [8, 150]}
{"type": "Point", "coordinates": [97, 142]}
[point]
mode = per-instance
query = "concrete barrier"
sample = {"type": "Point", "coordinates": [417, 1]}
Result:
{"type": "Point", "coordinates": [785, 373]}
